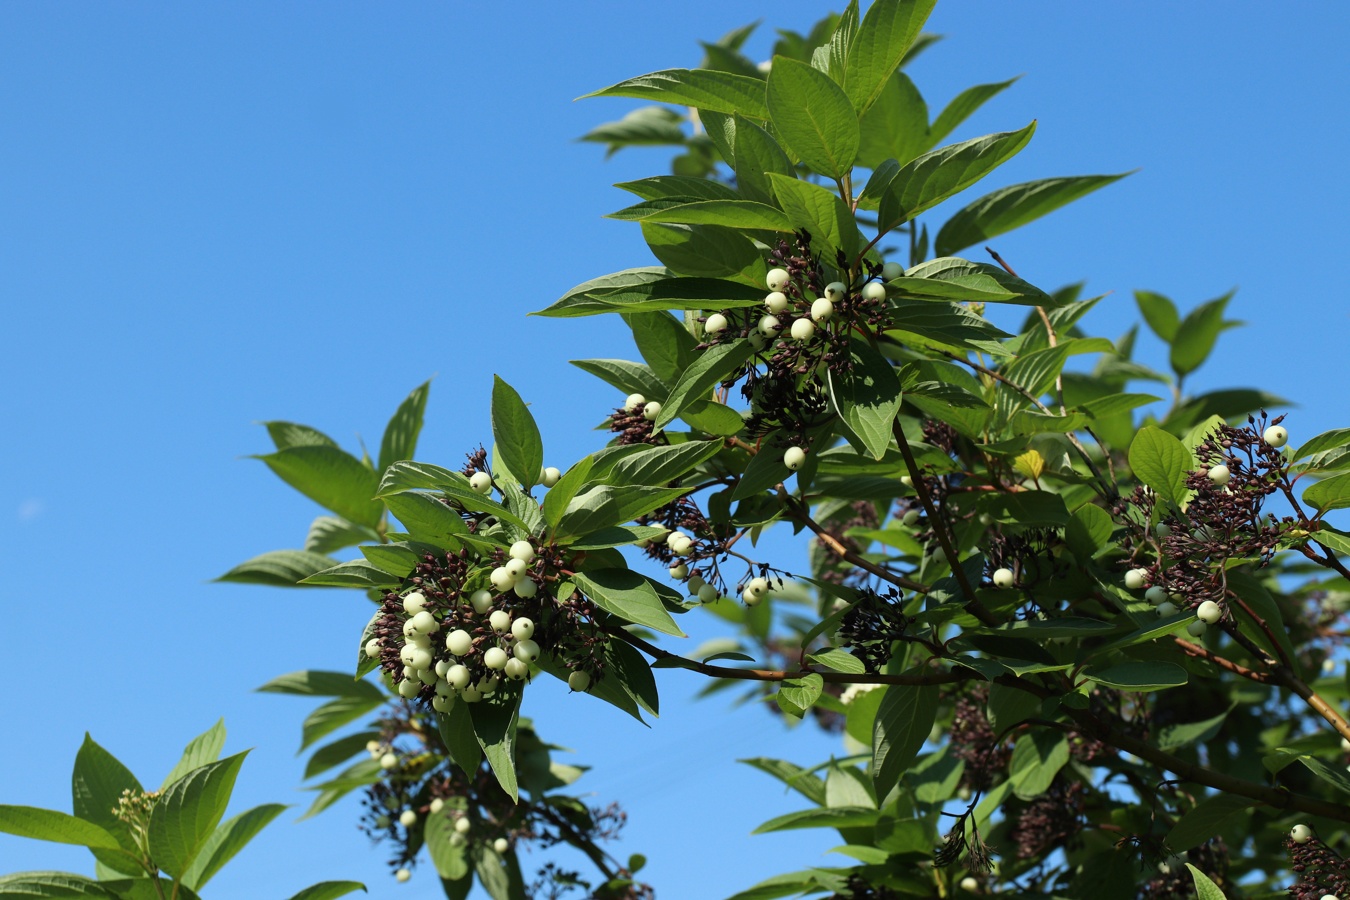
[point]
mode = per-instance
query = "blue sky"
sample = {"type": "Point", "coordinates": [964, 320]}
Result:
{"type": "Point", "coordinates": [215, 214]}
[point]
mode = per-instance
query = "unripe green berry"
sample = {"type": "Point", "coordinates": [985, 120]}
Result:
{"type": "Point", "coordinates": [651, 411]}
{"type": "Point", "coordinates": [707, 594]}
{"type": "Point", "coordinates": [679, 572]}
{"type": "Point", "coordinates": [481, 600]}
{"type": "Point", "coordinates": [910, 518]}
{"type": "Point", "coordinates": [892, 270]}
{"type": "Point", "coordinates": [757, 340]}
{"type": "Point", "coordinates": [794, 458]}
{"type": "Point", "coordinates": [402, 875]}
{"type": "Point", "coordinates": [836, 291]}
{"type": "Point", "coordinates": [383, 821]}
{"type": "Point", "coordinates": [495, 658]}
{"type": "Point", "coordinates": [1196, 628]}
{"type": "Point", "coordinates": [694, 583]}
{"type": "Point", "coordinates": [500, 621]}
{"type": "Point", "coordinates": [526, 651]}
{"type": "Point", "coordinates": [822, 309]}
{"type": "Point", "coordinates": [579, 681]}
{"type": "Point", "coordinates": [481, 482]}
{"type": "Point", "coordinates": [459, 642]}
{"type": "Point", "coordinates": [1003, 578]}
{"type": "Point", "coordinates": [501, 845]}
{"type": "Point", "coordinates": [414, 603]}
{"type": "Point", "coordinates": [458, 677]}
{"type": "Point", "coordinates": [550, 476]}
{"type": "Point", "coordinates": [1161, 530]}
{"type": "Point", "coordinates": [516, 670]}
{"type": "Point", "coordinates": [803, 330]}
{"type": "Point", "coordinates": [777, 279]}
{"type": "Point", "coordinates": [776, 302]}
{"type": "Point", "coordinates": [1276, 436]}
{"type": "Point", "coordinates": [373, 648]}
{"type": "Point", "coordinates": [1167, 608]}
{"type": "Point", "coordinates": [769, 326]}
{"type": "Point", "coordinates": [502, 579]}
{"type": "Point", "coordinates": [436, 806]}
{"type": "Point", "coordinates": [1209, 612]}
{"type": "Point", "coordinates": [463, 825]}
{"type": "Point", "coordinates": [1300, 834]}
{"type": "Point", "coordinates": [1155, 595]}
{"type": "Point", "coordinates": [1220, 475]}
{"type": "Point", "coordinates": [388, 761]}
{"type": "Point", "coordinates": [408, 688]}
{"type": "Point", "coordinates": [1136, 579]}
{"type": "Point", "coordinates": [716, 324]}
{"type": "Point", "coordinates": [522, 629]}
{"type": "Point", "coordinates": [525, 588]}
{"type": "Point", "coordinates": [634, 402]}
{"type": "Point", "coordinates": [874, 290]}
{"type": "Point", "coordinates": [408, 819]}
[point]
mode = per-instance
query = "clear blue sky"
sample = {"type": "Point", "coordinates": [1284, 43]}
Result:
{"type": "Point", "coordinates": [218, 213]}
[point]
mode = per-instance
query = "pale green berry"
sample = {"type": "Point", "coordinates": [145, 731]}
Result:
{"type": "Point", "coordinates": [500, 621]}
{"type": "Point", "coordinates": [408, 819]}
{"type": "Point", "coordinates": [1161, 530]}
{"type": "Point", "coordinates": [757, 340]}
{"type": "Point", "coordinates": [522, 629]}
{"type": "Point", "coordinates": [803, 330]}
{"type": "Point", "coordinates": [495, 658]}
{"type": "Point", "coordinates": [550, 476]}
{"type": "Point", "coordinates": [458, 677]}
{"type": "Point", "coordinates": [426, 676]}
{"type": "Point", "coordinates": [502, 579]}
{"type": "Point", "coordinates": [382, 821]}
{"type": "Point", "coordinates": [707, 594]}
{"type": "Point", "coordinates": [794, 458]}
{"type": "Point", "coordinates": [679, 572]}
{"type": "Point", "coordinates": [424, 623]}
{"type": "Point", "coordinates": [516, 670]}
{"type": "Point", "coordinates": [1155, 595]}
{"type": "Point", "coordinates": [969, 884]}
{"type": "Point", "coordinates": [579, 681]}
{"type": "Point", "coordinates": [481, 600]}
{"type": "Point", "coordinates": [469, 695]}
{"type": "Point", "coordinates": [634, 402]}
{"type": "Point", "coordinates": [1276, 436]}
{"type": "Point", "coordinates": [836, 291]}
{"type": "Point", "coordinates": [758, 586]}
{"type": "Point", "coordinates": [501, 845]}
{"type": "Point", "coordinates": [522, 550]}
{"type": "Point", "coordinates": [661, 537]}
{"type": "Point", "coordinates": [1136, 579]}
{"type": "Point", "coordinates": [910, 517]}
{"type": "Point", "coordinates": [526, 651]}
{"type": "Point", "coordinates": [463, 825]}
{"type": "Point", "coordinates": [481, 482]}
{"type": "Point", "coordinates": [517, 567]}
{"type": "Point", "coordinates": [402, 875]}
{"type": "Point", "coordinates": [1209, 612]}
{"type": "Point", "coordinates": [909, 483]}
{"type": "Point", "coordinates": [408, 688]}
{"type": "Point", "coordinates": [405, 654]}
{"type": "Point", "coordinates": [694, 584]}
{"type": "Point", "coordinates": [716, 324]}
{"type": "Point", "coordinates": [750, 598]}
{"type": "Point", "coordinates": [1300, 834]}
{"type": "Point", "coordinates": [414, 603]}
{"type": "Point", "coordinates": [1003, 578]}
{"type": "Point", "coordinates": [408, 631]}
{"type": "Point", "coordinates": [777, 279]}
{"type": "Point", "coordinates": [526, 588]}
{"type": "Point", "coordinates": [373, 648]}
{"type": "Point", "coordinates": [822, 309]}
{"type": "Point", "coordinates": [436, 806]}
{"type": "Point", "coordinates": [769, 326]}
{"type": "Point", "coordinates": [1167, 608]}
{"type": "Point", "coordinates": [1220, 475]}
{"type": "Point", "coordinates": [776, 302]}
{"type": "Point", "coordinates": [409, 672]}
{"type": "Point", "coordinates": [374, 748]}
{"type": "Point", "coordinates": [874, 290]}
{"type": "Point", "coordinates": [459, 642]}
{"type": "Point", "coordinates": [651, 411]}
{"type": "Point", "coordinates": [892, 270]}
{"type": "Point", "coordinates": [680, 544]}
{"type": "Point", "coordinates": [444, 689]}
{"type": "Point", "coordinates": [488, 685]}
{"type": "Point", "coordinates": [421, 641]}
{"type": "Point", "coordinates": [388, 761]}
{"type": "Point", "coordinates": [1196, 628]}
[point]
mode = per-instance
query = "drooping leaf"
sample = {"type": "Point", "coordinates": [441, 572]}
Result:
{"type": "Point", "coordinates": [903, 722]}
{"type": "Point", "coordinates": [494, 724]}
{"type": "Point", "coordinates": [867, 397]}
{"type": "Point", "coordinates": [629, 596]}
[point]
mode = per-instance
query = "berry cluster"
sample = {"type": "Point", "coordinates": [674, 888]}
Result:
{"type": "Point", "coordinates": [1323, 874]}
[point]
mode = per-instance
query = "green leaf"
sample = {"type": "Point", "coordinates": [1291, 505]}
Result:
{"type": "Point", "coordinates": [813, 116]}
{"type": "Point", "coordinates": [1174, 737]}
{"type": "Point", "coordinates": [427, 519]}
{"type": "Point", "coordinates": [713, 366]}
{"type": "Point", "coordinates": [867, 397]}
{"type": "Point", "coordinates": [1009, 706]}
{"type": "Point", "coordinates": [729, 213]}
{"type": "Point", "coordinates": [825, 817]}
{"type": "Point", "coordinates": [926, 181]}
{"type": "Point", "coordinates": [334, 714]}
{"type": "Point", "coordinates": [338, 752]}
{"type": "Point", "coordinates": [288, 434]}
{"type": "Point", "coordinates": [320, 683]}
{"type": "Point", "coordinates": [330, 533]}
{"type": "Point", "coordinates": [331, 478]}
{"type": "Point", "coordinates": [1088, 531]}
{"type": "Point", "coordinates": [204, 748]}
{"type": "Point", "coordinates": [821, 212]}
{"type": "Point", "coordinates": [629, 596]}
{"type": "Point", "coordinates": [279, 568]}
{"type": "Point", "coordinates": [680, 187]}
{"type": "Point", "coordinates": [578, 296]}
{"type": "Point", "coordinates": [1160, 313]}
{"type": "Point", "coordinates": [661, 465]}
{"type": "Point", "coordinates": [956, 279]}
{"type": "Point", "coordinates": [500, 876]}
{"type": "Point", "coordinates": [1140, 675]}
{"type": "Point", "coordinates": [894, 131]}
{"type": "Point", "coordinates": [1162, 462]}
{"type": "Point", "coordinates": [329, 890]}
{"type": "Point", "coordinates": [702, 88]}
{"type": "Point", "coordinates": [400, 435]}
{"type": "Point", "coordinates": [447, 854]}
{"type": "Point", "coordinates": [659, 296]}
{"type": "Point", "coordinates": [55, 885]}
{"type": "Point", "coordinates": [494, 724]}
{"type": "Point", "coordinates": [456, 730]}
{"type": "Point", "coordinates": [886, 34]}
{"type": "Point", "coordinates": [1197, 334]}
{"type": "Point", "coordinates": [765, 470]}
{"type": "Point", "coordinates": [97, 783]}
{"type": "Point", "coordinates": [516, 434]}
{"type": "Point", "coordinates": [796, 695]}
{"type": "Point", "coordinates": [800, 780]}
{"type": "Point", "coordinates": [1204, 821]}
{"type": "Point", "coordinates": [714, 418]}
{"type": "Point", "coordinates": [1012, 207]}
{"type": "Point", "coordinates": [757, 155]}
{"type": "Point", "coordinates": [961, 108]}
{"type": "Point", "coordinates": [1330, 493]}
{"type": "Point", "coordinates": [403, 476]}
{"type": "Point", "coordinates": [560, 496]}
{"type": "Point", "coordinates": [603, 506]}
{"type": "Point", "coordinates": [1336, 777]}
{"type": "Point", "coordinates": [1327, 440]}
{"type": "Point", "coordinates": [186, 813]}
{"type": "Point", "coordinates": [617, 536]}
{"type": "Point", "coordinates": [629, 377]}
{"type": "Point", "coordinates": [58, 827]}
{"type": "Point", "coordinates": [358, 574]}
{"type": "Point", "coordinates": [839, 660]}
{"type": "Point", "coordinates": [664, 343]}
{"type": "Point", "coordinates": [1204, 888]}
{"type": "Point", "coordinates": [1036, 760]}
{"type": "Point", "coordinates": [227, 840]}
{"type": "Point", "coordinates": [647, 126]}
{"type": "Point", "coordinates": [703, 250]}
{"type": "Point", "coordinates": [904, 719]}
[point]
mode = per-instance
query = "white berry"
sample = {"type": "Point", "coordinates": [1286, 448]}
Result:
{"type": "Point", "coordinates": [463, 825]}
{"type": "Point", "coordinates": [892, 270]}
{"type": "Point", "coordinates": [822, 309]}
{"type": "Point", "coordinates": [634, 402]}
{"type": "Point", "coordinates": [525, 588]}
{"type": "Point", "coordinates": [495, 658]}
{"type": "Point", "coordinates": [794, 458]}
{"type": "Point", "coordinates": [501, 845]}
{"type": "Point", "coordinates": [750, 598]}
{"type": "Point", "coordinates": [402, 875]}
{"type": "Point", "coordinates": [523, 628]}
{"type": "Point", "coordinates": [526, 650]}
{"type": "Point", "coordinates": [803, 330]}
{"type": "Point", "coordinates": [694, 584]}
{"type": "Point", "coordinates": [373, 648]}
{"type": "Point", "coordinates": [1136, 578]}
{"type": "Point", "coordinates": [481, 600]}
{"type": "Point", "coordinates": [776, 302]}
{"type": "Point", "coordinates": [707, 594]}
{"type": "Point", "coordinates": [777, 279]}
{"type": "Point", "coordinates": [500, 621]}
{"type": "Point", "coordinates": [414, 603]}
{"type": "Point", "coordinates": [836, 291]}
{"type": "Point", "coordinates": [502, 579]}
{"type": "Point", "coordinates": [516, 670]}
{"type": "Point", "coordinates": [874, 290]}
{"type": "Point", "coordinates": [522, 550]}
{"type": "Point", "coordinates": [1300, 834]}
{"type": "Point", "coordinates": [388, 761]}
{"type": "Point", "coordinates": [769, 326]}
{"type": "Point", "coordinates": [436, 806]}
{"type": "Point", "coordinates": [1155, 595]}
{"type": "Point", "coordinates": [550, 476]}
{"type": "Point", "coordinates": [481, 482]}
{"type": "Point", "coordinates": [579, 681]}
{"type": "Point", "coordinates": [425, 623]}
{"type": "Point", "coordinates": [1196, 628]}
{"type": "Point", "coordinates": [1209, 612]}
{"type": "Point", "coordinates": [408, 819]}
{"type": "Point", "coordinates": [516, 566]}
{"type": "Point", "coordinates": [408, 689]}
{"type": "Point", "coordinates": [458, 642]}
{"type": "Point", "coordinates": [1003, 578]}
{"type": "Point", "coordinates": [1220, 475]}
{"type": "Point", "coordinates": [651, 411]}
{"type": "Point", "coordinates": [679, 544]}
{"type": "Point", "coordinates": [969, 884]}
{"type": "Point", "coordinates": [1276, 436]}
{"type": "Point", "coordinates": [1167, 608]}
{"type": "Point", "coordinates": [758, 586]}
{"type": "Point", "coordinates": [458, 677]}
